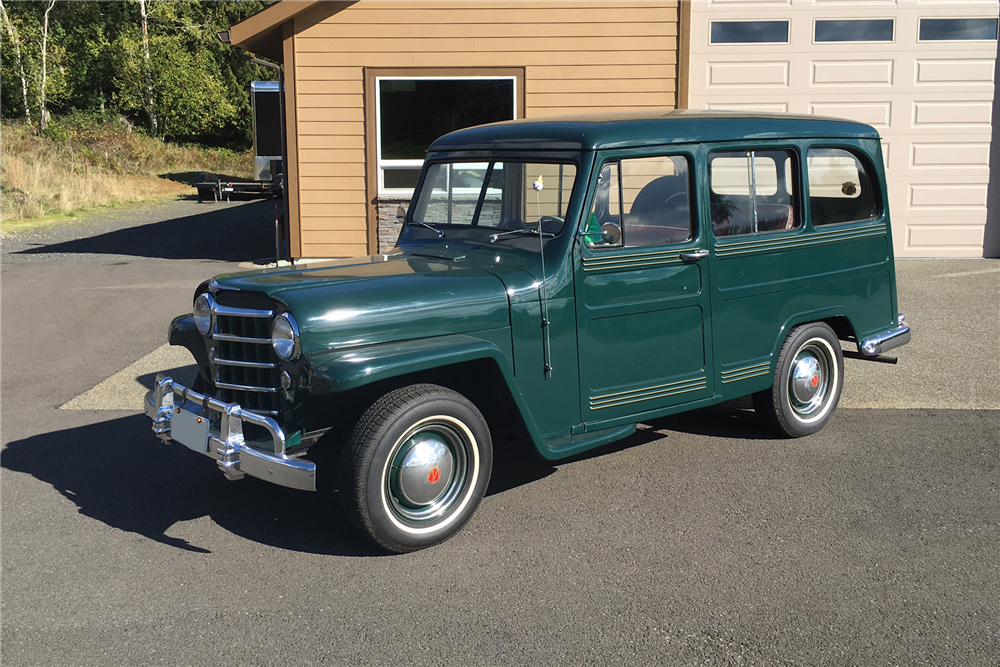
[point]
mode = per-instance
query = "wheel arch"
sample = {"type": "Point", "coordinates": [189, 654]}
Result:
{"type": "Point", "coordinates": [351, 381]}
{"type": "Point", "coordinates": [839, 319]}
{"type": "Point", "coordinates": [184, 333]}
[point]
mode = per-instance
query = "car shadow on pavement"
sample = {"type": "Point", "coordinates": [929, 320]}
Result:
{"type": "Point", "coordinates": [732, 419]}
{"type": "Point", "coordinates": [118, 473]}
{"type": "Point", "coordinates": [223, 232]}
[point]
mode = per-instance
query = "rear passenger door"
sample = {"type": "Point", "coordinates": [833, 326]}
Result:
{"type": "Point", "coordinates": [758, 270]}
{"type": "Point", "coordinates": [641, 282]}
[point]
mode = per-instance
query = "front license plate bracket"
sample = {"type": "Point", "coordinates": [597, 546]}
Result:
{"type": "Point", "coordinates": [190, 430]}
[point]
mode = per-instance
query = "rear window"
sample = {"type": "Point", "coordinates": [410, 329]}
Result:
{"type": "Point", "coordinates": [840, 187]}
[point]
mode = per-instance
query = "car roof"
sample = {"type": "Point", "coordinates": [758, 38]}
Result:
{"type": "Point", "coordinates": [625, 129]}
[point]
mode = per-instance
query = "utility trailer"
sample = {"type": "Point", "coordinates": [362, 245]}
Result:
{"type": "Point", "coordinates": [268, 177]}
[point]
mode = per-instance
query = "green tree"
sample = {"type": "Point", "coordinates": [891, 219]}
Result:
{"type": "Point", "coordinates": [95, 62]}
{"type": "Point", "coordinates": [199, 85]}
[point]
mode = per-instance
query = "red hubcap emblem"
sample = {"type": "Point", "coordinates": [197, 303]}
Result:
{"type": "Point", "coordinates": [434, 475]}
{"type": "Point", "coordinates": [815, 380]}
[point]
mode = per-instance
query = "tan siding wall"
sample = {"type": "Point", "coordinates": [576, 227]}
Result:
{"type": "Point", "coordinates": [577, 57]}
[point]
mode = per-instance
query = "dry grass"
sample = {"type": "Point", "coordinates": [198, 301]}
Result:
{"type": "Point", "coordinates": [82, 163]}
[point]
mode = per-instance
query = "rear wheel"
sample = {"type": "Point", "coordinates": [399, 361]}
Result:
{"type": "Point", "coordinates": [416, 467]}
{"type": "Point", "coordinates": [808, 379]}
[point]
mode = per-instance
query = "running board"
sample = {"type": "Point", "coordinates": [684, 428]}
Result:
{"type": "Point", "coordinates": [568, 445]}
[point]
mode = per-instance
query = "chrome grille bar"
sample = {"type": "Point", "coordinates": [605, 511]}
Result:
{"type": "Point", "coordinates": [241, 339]}
{"type": "Point", "coordinates": [244, 387]}
{"type": "Point", "coordinates": [241, 312]}
{"type": "Point", "coordinates": [244, 364]}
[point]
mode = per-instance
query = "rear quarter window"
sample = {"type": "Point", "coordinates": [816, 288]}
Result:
{"type": "Point", "coordinates": [840, 187]}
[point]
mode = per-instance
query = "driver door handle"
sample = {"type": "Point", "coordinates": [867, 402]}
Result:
{"type": "Point", "coordinates": [692, 256]}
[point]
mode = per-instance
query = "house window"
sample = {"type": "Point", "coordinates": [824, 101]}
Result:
{"type": "Point", "coordinates": [856, 30]}
{"type": "Point", "coordinates": [749, 32]}
{"type": "Point", "coordinates": [939, 30]}
{"type": "Point", "coordinates": [411, 112]}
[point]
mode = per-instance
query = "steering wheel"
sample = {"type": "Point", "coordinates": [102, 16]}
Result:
{"type": "Point", "coordinates": [678, 196]}
{"type": "Point", "coordinates": [550, 219]}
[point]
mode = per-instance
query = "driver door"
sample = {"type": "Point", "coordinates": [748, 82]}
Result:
{"type": "Point", "coordinates": [641, 270]}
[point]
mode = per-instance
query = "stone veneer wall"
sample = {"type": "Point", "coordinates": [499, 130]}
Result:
{"type": "Point", "coordinates": [388, 226]}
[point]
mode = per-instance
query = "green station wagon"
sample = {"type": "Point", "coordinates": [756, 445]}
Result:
{"type": "Point", "coordinates": [556, 281]}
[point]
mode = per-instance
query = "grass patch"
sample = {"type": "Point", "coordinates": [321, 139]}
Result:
{"type": "Point", "coordinates": [14, 227]}
{"type": "Point", "coordinates": [84, 162]}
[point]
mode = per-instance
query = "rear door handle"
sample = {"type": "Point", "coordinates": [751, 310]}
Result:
{"type": "Point", "coordinates": [693, 256]}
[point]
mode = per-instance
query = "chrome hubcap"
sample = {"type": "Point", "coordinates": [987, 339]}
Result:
{"type": "Point", "coordinates": [427, 472]}
{"type": "Point", "coordinates": [808, 380]}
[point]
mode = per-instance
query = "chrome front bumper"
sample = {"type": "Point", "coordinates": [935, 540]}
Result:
{"type": "Point", "coordinates": [883, 342]}
{"type": "Point", "coordinates": [170, 400]}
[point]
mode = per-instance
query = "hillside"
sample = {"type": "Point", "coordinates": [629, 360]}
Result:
{"type": "Point", "coordinates": [85, 161]}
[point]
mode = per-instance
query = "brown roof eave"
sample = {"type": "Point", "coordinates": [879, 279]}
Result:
{"type": "Point", "coordinates": [262, 34]}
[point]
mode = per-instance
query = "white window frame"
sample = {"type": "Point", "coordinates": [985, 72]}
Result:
{"type": "Point", "coordinates": [382, 165]}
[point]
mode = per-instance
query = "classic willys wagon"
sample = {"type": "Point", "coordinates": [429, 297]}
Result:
{"type": "Point", "coordinates": [556, 280]}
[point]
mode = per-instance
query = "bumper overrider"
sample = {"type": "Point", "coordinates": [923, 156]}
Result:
{"type": "Point", "coordinates": [883, 342]}
{"type": "Point", "coordinates": [185, 416]}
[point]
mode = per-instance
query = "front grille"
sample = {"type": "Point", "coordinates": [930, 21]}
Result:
{"type": "Point", "coordinates": [246, 371]}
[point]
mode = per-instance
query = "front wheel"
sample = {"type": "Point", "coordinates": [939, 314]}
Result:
{"type": "Point", "coordinates": [808, 379]}
{"type": "Point", "coordinates": [415, 468]}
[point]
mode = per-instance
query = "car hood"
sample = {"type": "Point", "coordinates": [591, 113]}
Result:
{"type": "Point", "coordinates": [380, 299]}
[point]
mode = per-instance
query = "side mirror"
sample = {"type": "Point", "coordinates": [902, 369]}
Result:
{"type": "Point", "coordinates": [611, 233]}
{"type": "Point", "coordinates": [400, 213]}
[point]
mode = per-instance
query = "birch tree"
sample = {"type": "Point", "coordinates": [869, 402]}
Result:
{"type": "Point", "coordinates": [11, 31]}
{"type": "Point", "coordinates": [42, 120]}
{"type": "Point", "coordinates": [147, 69]}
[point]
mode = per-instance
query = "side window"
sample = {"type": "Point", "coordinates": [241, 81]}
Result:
{"type": "Point", "coordinates": [646, 200]}
{"type": "Point", "coordinates": [752, 191]}
{"type": "Point", "coordinates": [840, 188]}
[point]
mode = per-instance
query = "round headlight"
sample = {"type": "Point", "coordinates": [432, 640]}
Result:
{"type": "Point", "coordinates": [203, 313]}
{"type": "Point", "coordinates": [285, 337]}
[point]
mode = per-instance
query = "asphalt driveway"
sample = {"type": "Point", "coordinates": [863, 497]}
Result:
{"type": "Point", "coordinates": [699, 540]}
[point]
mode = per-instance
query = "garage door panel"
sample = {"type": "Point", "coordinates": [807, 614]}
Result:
{"type": "Point", "coordinates": [952, 114]}
{"type": "Point", "coordinates": [875, 114]}
{"type": "Point", "coordinates": [932, 155]}
{"type": "Point", "coordinates": [944, 240]}
{"type": "Point", "coordinates": [852, 73]}
{"type": "Point", "coordinates": [741, 74]}
{"type": "Point", "coordinates": [777, 107]}
{"type": "Point", "coordinates": [961, 72]}
{"type": "Point", "coordinates": [950, 196]}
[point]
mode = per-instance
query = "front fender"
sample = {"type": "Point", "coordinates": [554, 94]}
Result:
{"type": "Point", "coordinates": [183, 332]}
{"type": "Point", "coordinates": [342, 370]}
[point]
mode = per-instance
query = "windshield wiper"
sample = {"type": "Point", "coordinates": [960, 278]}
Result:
{"type": "Point", "coordinates": [534, 232]}
{"type": "Point", "coordinates": [439, 232]}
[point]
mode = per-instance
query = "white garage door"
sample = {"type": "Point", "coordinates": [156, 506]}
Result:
{"type": "Point", "coordinates": [921, 73]}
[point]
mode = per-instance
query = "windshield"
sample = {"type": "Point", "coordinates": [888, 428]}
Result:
{"type": "Point", "coordinates": [496, 196]}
